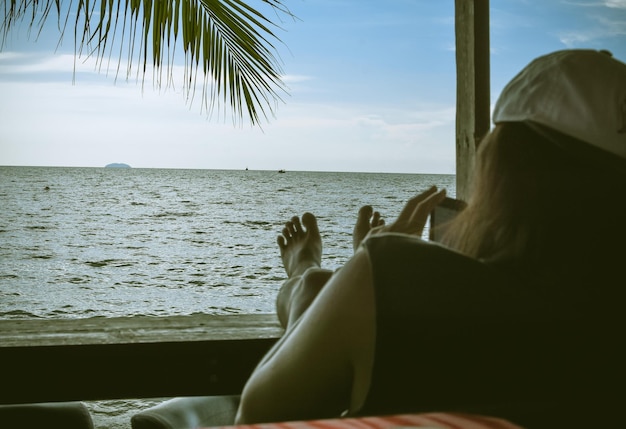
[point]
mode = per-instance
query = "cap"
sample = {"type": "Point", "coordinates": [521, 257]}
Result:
{"type": "Point", "coordinates": [578, 93]}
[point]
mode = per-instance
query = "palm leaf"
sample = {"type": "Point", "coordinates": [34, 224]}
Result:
{"type": "Point", "coordinates": [227, 43]}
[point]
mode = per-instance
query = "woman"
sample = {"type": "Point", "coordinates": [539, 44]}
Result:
{"type": "Point", "coordinates": [517, 317]}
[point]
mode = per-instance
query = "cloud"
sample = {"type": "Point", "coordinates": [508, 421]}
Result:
{"type": "Point", "coordinates": [89, 72]}
{"type": "Point", "coordinates": [10, 56]}
{"type": "Point", "coordinates": [613, 4]}
{"type": "Point", "coordinates": [604, 22]}
{"type": "Point", "coordinates": [617, 4]}
{"type": "Point", "coordinates": [89, 125]}
{"type": "Point", "coordinates": [605, 28]}
{"type": "Point", "coordinates": [34, 63]}
{"type": "Point", "coordinates": [292, 78]}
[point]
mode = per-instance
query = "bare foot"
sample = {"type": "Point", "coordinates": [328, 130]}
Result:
{"type": "Point", "coordinates": [366, 220]}
{"type": "Point", "coordinates": [300, 245]}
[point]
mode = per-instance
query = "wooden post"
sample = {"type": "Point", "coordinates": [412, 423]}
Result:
{"type": "Point", "coordinates": [473, 82]}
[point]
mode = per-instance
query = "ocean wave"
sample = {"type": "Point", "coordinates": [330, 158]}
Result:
{"type": "Point", "coordinates": [41, 256]}
{"type": "Point", "coordinates": [4, 276]}
{"type": "Point", "coordinates": [98, 264]}
{"type": "Point", "coordinates": [69, 311]}
{"type": "Point", "coordinates": [174, 215]}
{"type": "Point", "coordinates": [18, 314]}
{"type": "Point", "coordinates": [79, 280]}
{"type": "Point", "coordinates": [116, 263]}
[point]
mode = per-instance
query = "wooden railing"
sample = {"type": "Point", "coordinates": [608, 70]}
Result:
{"type": "Point", "coordinates": [136, 357]}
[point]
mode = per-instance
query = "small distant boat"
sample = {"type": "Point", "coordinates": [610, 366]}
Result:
{"type": "Point", "coordinates": [281, 171]}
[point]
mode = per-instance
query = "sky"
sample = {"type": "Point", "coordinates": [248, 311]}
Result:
{"type": "Point", "coordinates": [371, 88]}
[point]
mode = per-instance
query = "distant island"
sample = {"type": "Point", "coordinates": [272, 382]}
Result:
{"type": "Point", "coordinates": [117, 165]}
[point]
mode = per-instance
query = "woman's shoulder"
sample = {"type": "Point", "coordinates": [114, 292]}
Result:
{"type": "Point", "coordinates": [407, 251]}
{"type": "Point", "coordinates": [407, 269]}
{"type": "Point", "coordinates": [394, 240]}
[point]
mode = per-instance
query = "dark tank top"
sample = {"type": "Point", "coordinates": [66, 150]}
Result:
{"type": "Point", "coordinates": [456, 334]}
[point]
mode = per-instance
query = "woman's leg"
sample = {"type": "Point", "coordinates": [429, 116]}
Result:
{"type": "Point", "coordinates": [301, 251]}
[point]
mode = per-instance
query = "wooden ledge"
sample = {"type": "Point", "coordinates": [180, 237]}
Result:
{"type": "Point", "coordinates": [135, 357]}
{"type": "Point", "coordinates": [138, 329]}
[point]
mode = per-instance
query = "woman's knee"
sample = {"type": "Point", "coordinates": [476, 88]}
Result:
{"type": "Point", "coordinates": [315, 278]}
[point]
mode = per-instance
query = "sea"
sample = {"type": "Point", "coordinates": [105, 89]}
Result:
{"type": "Point", "coordinates": [114, 242]}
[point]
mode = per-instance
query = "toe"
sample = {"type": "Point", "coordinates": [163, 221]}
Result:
{"type": "Point", "coordinates": [288, 231]}
{"type": "Point", "coordinates": [310, 222]}
{"type": "Point", "coordinates": [297, 226]}
{"type": "Point", "coordinates": [376, 219]}
{"type": "Point", "coordinates": [365, 213]}
{"type": "Point", "coordinates": [282, 243]}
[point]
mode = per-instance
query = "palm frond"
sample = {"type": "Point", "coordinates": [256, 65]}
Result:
{"type": "Point", "coordinates": [228, 44]}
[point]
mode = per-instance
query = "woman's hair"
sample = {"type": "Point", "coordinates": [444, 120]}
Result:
{"type": "Point", "coordinates": [534, 204]}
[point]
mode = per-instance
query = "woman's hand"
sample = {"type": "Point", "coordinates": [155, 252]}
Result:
{"type": "Point", "coordinates": [413, 216]}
